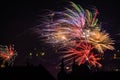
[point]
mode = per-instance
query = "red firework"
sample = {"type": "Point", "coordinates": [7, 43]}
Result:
{"type": "Point", "coordinates": [7, 53]}
{"type": "Point", "coordinates": [93, 60]}
{"type": "Point", "coordinates": [82, 52]}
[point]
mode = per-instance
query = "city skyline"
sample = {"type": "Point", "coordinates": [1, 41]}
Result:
{"type": "Point", "coordinates": [19, 18]}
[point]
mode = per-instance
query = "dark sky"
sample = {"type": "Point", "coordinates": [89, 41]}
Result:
{"type": "Point", "coordinates": [17, 17]}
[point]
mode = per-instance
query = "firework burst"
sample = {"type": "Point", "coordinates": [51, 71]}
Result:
{"type": "Point", "coordinates": [101, 41]}
{"type": "Point", "coordinates": [81, 51]}
{"type": "Point", "coordinates": [78, 31]}
{"type": "Point", "coordinates": [8, 54]}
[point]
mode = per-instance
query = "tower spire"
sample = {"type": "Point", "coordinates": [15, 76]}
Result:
{"type": "Point", "coordinates": [62, 65]}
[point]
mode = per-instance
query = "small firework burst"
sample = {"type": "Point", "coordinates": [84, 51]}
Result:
{"type": "Point", "coordinates": [101, 41]}
{"type": "Point", "coordinates": [7, 53]}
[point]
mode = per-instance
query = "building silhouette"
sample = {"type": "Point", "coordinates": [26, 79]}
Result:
{"type": "Point", "coordinates": [62, 75]}
{"type": "Point", "coordinates": [77, 73]}
{"type": "Point", "coordinates": [84, 72]}
{"type": "Point", "coordinates": [25, 72]}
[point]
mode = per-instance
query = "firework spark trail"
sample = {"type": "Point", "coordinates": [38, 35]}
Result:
{"type": "Point", "coordinates": [93, 61]}
{"type": "Point", "coordinates": [67, 26]}
{"type": "Point", "coordinates": [78, 31]}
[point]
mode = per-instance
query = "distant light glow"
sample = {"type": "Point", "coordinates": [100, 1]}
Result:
{"type": "Point", "coordinates": [42, 53]}
{"type": "Point", "coordinates": [30, 54]}
{"type": "Point", "coordinates": [2, 65]}
{"type": "Point", "coordinates": [36, 54]}
{"type": "Point", "coordinates": [67, 68]}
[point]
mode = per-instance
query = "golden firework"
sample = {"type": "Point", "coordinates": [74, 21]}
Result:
{"type": "Point", "coordinates": [101, 40]}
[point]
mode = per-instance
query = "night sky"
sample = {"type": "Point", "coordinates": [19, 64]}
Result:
{"type": "Point", "coordinates": [18, 17]}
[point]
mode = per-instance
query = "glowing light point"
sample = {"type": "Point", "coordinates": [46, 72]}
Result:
{"type": "Point", "coordinates": [36, 54]}
{"type": "Point", "coordinates": [115, 56]}
{"type": "Point", "coordinates": [30, 54]}
{"type": "Point", "coordinates": [2, 66]}
{"type": "Point", "coordinates": [67, 68]}
{"type": "Point", "coordinates": [63, 37]}
{"type": "Point", "coordinates": [42, 53]}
